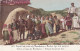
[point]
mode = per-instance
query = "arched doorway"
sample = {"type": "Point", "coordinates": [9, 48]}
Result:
{"type": "Point", "coordinates": [15, 15]}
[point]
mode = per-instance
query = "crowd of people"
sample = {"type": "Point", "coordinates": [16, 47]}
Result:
{"type": "Point", "coordinates": [38, 27]}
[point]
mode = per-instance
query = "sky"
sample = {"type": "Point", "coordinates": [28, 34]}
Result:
{"type": "Point", "coordinates": [50, 5]}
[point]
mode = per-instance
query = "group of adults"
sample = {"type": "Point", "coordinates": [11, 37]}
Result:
{"type": "Point", "coordinates": [39, 27]}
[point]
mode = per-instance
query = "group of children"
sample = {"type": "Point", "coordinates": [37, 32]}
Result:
{"type": "Point", "coordinates": [70, 22]}
{"type": "Point", "coordinates": [37, 27]}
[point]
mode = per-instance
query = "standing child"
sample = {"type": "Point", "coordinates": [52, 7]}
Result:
{"type": "Point", "coordinates": [68, 22]}
{"type": "Point", "coordinates": [10, 34]}
{"type": "Point", "coordinates": [15, 35]}
{"type": "Point", "coordinates": [63, 23]}
{"type": "Point", "coordinates": [75, 21]}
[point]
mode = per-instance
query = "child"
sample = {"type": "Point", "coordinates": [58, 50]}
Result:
{"type": "Point", "coordinates": [37, 34]}
{"type": "Point", "coordinates": [11, 37]}
{"type": "Point", "coordinates": [10, 34]}
{"type": "Point", "coordinates": [30, 36]}
{"type": "Point", "coordinates": [75, 21]}
{"type": "Point", "coordinates": [63, 23]}
{"type": "Point", "coordinates": [69, 21]}
{"type": "Point", "coordinates": [15, 35]}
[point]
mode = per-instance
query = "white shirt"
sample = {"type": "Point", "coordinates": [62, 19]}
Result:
{"type": "Point", "coordinates": [72, 10]}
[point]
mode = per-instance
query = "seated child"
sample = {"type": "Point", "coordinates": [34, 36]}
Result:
{"type": "Point", "coordinates": [37, 34]}
{"type": "Point", "coordinates": [30, 36]}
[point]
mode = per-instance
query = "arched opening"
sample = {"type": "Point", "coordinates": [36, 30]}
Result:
{"type": "Point", "coordinates": [15, 15]}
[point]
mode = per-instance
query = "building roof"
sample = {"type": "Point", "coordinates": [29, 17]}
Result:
{"type": "Point", "coordinates": [14, 2]}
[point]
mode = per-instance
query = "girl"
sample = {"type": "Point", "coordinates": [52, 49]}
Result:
{"type": "Point", "coordinates": [15, 35]}
{"type": "Point", "coordinates": [75, 21]}
{"type": "Point", "coordinates": [10, 34]}
{"type": "Point", "coordinates": [63, 23]}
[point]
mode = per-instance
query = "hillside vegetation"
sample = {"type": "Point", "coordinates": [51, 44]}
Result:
{"type": "Point", "coordinates": [41, 12]}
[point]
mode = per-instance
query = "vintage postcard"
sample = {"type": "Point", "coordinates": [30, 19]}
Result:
{"type": "Point", "coordinates": [40, 22]}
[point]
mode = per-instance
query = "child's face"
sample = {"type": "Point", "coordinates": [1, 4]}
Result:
{"type": "Point", "coordinates": [75, 14]}
{"type": "Point", "coordinates": [68, 15]}
{"type": "Point", "coordinates": [63, 17]}
{"type": "Point", "coordinates": [36, 29]}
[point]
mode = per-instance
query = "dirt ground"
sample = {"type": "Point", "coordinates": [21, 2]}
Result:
{"type": "Point", "coordinates": [69, 37]}
{"type": "Point", "coordinates": [65, 38]}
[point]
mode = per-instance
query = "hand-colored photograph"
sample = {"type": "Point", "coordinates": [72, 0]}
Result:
{"type": "Point", "coordinates": [39, 22]}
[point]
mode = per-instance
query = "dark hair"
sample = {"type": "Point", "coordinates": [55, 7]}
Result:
{"type": "Point", "coordinates": [76, 14]}
{"type": "Point", "coordinates": [55, 16]}
{"type": "Point", "coordinates": [72, 3]}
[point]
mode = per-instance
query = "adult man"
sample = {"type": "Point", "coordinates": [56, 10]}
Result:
{"type": "Point", "coordinates": [72, 10]}
{"type": "Point", "coordinates": [57, 23]}
{"type": "Point", "coordinates": [30, 28]}
{"type": "Point", "coordinates": [22, 27]}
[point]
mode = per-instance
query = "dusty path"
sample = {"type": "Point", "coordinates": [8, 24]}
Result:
{"type": "Point", "coordinates": [68, 37]}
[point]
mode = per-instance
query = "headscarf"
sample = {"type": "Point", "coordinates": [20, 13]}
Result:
{"type": "Point", "coordinates": [5, 25]}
